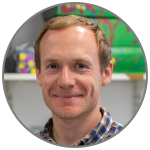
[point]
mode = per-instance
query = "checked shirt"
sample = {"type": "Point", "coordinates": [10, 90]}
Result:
{"type": "Point", "coordinates": [105, 129]}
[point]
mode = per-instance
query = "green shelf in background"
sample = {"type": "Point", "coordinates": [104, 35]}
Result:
{"type": "Point", "coordinates": [129, 60]}
{"type": "Point", "coordinates": [117, 32]}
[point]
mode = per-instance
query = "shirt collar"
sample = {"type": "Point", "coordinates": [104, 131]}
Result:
{"type": "Point", "coordinates": [96, 135]}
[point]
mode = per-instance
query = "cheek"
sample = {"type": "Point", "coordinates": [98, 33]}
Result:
{"type": "Point", "coordinates": [95, 85]}
{"type": "Point", "coordinates": [47, 83]}
{"type": "Point", "coordinates": [89, 85]}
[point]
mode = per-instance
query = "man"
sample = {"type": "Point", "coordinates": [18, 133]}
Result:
{"type": "Point", "coordinates": [72, 57]}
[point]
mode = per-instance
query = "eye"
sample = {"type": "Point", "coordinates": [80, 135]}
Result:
{"type": "Point", "coordinates": [80, 66]}
{"type": "Point", "coordinates": [53, 66]}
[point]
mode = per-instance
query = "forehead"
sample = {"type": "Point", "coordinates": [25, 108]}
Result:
{"type": "Point", "coordinates": [69, 35]}
{"type": "Point", "coordinates": [72, 41]}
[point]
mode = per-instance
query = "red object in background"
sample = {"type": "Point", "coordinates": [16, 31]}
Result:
{"type": "Point", "coordinates": [90, 8]}
{"type": "Point", "coordinates": [64, 8]}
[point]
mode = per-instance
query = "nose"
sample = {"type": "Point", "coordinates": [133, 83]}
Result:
{"type": "Point", "coordinates": [66, 78]}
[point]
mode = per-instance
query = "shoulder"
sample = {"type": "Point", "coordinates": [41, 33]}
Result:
{"type": "Point", "coordinates": [115, 128]}
{"type": "Point", "coordinates": [40, 134]}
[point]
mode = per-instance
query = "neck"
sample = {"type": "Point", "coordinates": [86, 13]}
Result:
{"type": "Point", "coordinates": [69, 131]}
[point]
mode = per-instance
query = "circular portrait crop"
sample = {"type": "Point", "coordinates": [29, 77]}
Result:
{"type": "Point", "coordinates": [74, 75]}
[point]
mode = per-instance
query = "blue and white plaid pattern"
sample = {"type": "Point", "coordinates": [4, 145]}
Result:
{"type": "Point", "coordinates": [105, 129]}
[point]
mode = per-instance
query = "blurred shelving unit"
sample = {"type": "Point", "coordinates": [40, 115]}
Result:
{"type": "Point", "coordinates": [19, 76]}
{"type": "Point", "coordinates": [32, 77]}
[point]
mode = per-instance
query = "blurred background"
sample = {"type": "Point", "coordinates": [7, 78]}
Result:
{"type": "Point", "coordinates": [122, 97]}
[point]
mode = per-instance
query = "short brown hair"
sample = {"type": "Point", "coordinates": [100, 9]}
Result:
{"type": "Point", "coordinates": [61, 22]}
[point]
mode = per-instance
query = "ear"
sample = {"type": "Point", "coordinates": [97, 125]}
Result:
{"type": "Point", "coordinates": [107, 74]}
{"type": "Point", "coordinates": [38, 76]}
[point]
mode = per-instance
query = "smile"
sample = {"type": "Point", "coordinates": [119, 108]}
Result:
{"type": "Point", "coordinates": [67, 97]}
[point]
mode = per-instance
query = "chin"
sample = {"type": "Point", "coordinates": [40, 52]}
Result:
{"type": "Point", "coordinates": [67, 113]}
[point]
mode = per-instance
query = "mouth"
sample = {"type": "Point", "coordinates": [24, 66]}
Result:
{"type": "Point", "coordinates": [67, 97]}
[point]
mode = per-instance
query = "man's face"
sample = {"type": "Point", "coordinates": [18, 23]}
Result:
{"type": "Point", "coordinates": [70, 74]}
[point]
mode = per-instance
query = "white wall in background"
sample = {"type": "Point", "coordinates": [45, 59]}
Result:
{"type": "Point", "coordinates": [28, 31]}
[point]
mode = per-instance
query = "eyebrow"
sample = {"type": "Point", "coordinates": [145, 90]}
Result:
{"type": "Point", "coordinates": [82, 59]}
{"type": "Point", "coordinates": [49, 60]}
